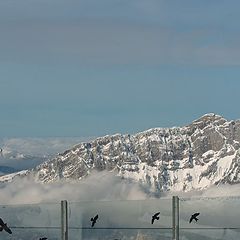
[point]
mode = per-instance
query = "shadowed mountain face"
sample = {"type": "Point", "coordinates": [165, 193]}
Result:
{"type": "Point", "coordinates": [195, 156]}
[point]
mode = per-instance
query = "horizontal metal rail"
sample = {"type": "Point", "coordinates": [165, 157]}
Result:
{"type": "Point", "coordinates": [127, 228]}
{"type": "Point", "coordinates": [150, 228]}
{"type": "Point", "coordinates": [24, 227]}
{"type": "Point", "coordinates": [211, 228]}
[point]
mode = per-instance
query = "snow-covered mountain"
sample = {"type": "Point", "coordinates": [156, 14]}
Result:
{"type": "Point", "coordinates": [193, 157]}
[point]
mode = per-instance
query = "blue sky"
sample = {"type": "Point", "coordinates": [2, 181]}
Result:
{"type": "Point", "coordinates": [90, 68]}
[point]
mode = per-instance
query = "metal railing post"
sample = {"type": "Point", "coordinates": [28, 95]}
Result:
{"type": "Point", "coordinates": [175, 217]}
{"type": "Point", "coordinates": [64, 219]}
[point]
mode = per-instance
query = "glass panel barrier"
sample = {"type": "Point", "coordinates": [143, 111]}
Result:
{"type": "Point", "coordinates": [31, 221]}
{"type": "Point", "coordinates": [218, 218]}
{"type": "Point", "coordinates": [120, 220]}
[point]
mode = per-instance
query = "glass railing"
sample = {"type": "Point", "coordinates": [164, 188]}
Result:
{"type": "Point", "coordinates": [218, 220]}
{"type": "Point", "coordinates": [120, 220]}
{"type": "Point", "coordinates": [31, 221]}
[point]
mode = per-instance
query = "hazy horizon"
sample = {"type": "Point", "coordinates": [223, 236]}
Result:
{"type": "Point", "coordinates": [85, 137]}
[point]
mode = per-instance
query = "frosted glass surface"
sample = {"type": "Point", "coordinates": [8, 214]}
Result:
{"type": "Point", "coordinates": [31, 221]}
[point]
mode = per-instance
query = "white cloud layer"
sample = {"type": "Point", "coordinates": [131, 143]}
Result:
{"type": "Point", "coordinates": [40, 146]}
{"type": "Point", "coordinates": [98, 186]}
{"type": "Point", "coordinates": [25, 153]}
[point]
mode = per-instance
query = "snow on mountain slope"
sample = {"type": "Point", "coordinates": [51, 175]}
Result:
{"type": "Point", "coordinates": [9, 177]}
{"type": "Point", "coordinates": [193, 157]}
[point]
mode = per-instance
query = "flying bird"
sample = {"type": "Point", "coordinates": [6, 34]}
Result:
{"type": "Point", "coordinates": [155, 217]}
{"type": "Point", "coordinates": [194, 216]}
{"type": "Point", "coordinates": [3, 226]}
{"type": "Point", "coordinates": [94, 220]}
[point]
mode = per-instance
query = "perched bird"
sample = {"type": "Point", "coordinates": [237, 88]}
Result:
{"type": "Point", "coordinates": [3, 226]}
{"type": "Point", "coordinates": [194, 216]}
{"type": "Point", "coordinates": [155, 217]}
{"type": "Point", "coordinates": [94, 220]}
{"type": "Point", "coordinates": [44, 238]}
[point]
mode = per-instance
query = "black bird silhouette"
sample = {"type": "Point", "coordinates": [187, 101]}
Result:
{"type": "Point", "coordinates": [155, 217]}
{"type": "Point", "coordinates": [3, 226]}
{"type": "Point", "coordinates": [194, 216]}
{"type": "Point", "coordinates": [94, 220]}
{"type": "Point", "coordinates": [44, 238]}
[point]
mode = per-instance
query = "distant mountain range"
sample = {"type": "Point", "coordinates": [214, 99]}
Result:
{"type": "Point", "coordinates": [7, 170]}
{"type": "Point", "coordinates": [13, 161]}
{"type": "Point", "coordinates": [27, 153]}
{"type": "Point", "coordinates": [194, 157]}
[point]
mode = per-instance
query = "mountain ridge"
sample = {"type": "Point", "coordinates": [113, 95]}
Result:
{"type": "Point", "coordinates": [193, 157]}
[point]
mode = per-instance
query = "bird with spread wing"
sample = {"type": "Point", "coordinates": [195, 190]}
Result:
{"type": "Point", "coordinates": [3, 226]}
{"type": "Point", "coordinates": [155, 217]}
{"type": "Point", "coordinates": [94, 220]}
{"type": "Point", "coordinates": [194, 217]}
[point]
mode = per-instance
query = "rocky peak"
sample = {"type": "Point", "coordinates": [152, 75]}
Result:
{"type": "Point", "coordinates": [196, 156]}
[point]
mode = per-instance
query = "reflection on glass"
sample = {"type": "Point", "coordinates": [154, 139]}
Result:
{"type": "Point", "coordinates": [31, 221]}
{"type": "Point", "coordinates": [218, 218]}
{"type": "Point", "coordinates": [120, 220]}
